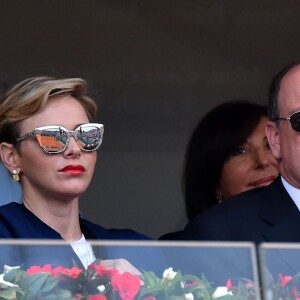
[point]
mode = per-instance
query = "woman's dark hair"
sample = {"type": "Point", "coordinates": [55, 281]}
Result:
{"type": "Point", "coordinates": [220, 132]}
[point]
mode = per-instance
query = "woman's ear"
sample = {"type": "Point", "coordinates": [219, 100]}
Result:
{"type": "Point", "coordinates": [10, 157]}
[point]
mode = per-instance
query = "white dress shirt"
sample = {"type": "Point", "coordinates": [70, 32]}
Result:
{"type": "Point", "coordinates": [292, 191]}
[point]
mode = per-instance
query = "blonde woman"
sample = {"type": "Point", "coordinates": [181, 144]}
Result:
{"type": "Point", "coordinates": [49, 143]}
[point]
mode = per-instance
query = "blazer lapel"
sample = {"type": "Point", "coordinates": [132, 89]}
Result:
{"type": "Point", "coordinates": [280, 214]}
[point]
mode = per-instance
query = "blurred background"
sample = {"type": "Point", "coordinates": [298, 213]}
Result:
{"type": "Point", "coordinates": [154, 67]}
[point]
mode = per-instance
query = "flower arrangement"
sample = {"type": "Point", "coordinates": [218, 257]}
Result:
{"type": "Point", "coordinates": [100, 283]}
{"type": "Point", "coordinates": [284, 288]}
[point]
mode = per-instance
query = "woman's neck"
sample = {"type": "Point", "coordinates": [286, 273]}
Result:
{"type": "Point", "coordinates": [61, 216]}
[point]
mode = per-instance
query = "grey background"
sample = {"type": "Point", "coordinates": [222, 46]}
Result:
{"type": "Point", "coordinates": [154, 67]}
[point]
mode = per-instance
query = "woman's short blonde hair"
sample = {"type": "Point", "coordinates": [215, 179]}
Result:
{"type": "Point", "coordinates": [29, 96]}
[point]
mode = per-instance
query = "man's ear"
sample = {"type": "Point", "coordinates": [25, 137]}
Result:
{"type": "Point", "coordinates": [273, 137]}
{"type": "Point", "coordinates": [10, 157]}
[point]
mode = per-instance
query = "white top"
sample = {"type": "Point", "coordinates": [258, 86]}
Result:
{"type": "Point", "coordinates": [84, 251]}
{"type": "Point", "coordinates": [292, 191]}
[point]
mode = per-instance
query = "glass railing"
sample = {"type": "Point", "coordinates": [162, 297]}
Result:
{"type": "Point", "coordinates": [149, 270]}
{"type": "Point", "coordinates": [279, 268]}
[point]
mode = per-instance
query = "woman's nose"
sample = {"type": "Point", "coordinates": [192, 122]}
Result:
{"type": "Point", "coordinates": [261, 158]}
{"type": "Point", "coordinates": [72, 148]}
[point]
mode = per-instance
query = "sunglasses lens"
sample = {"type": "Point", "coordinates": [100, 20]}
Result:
{"type": "Point", "coordinates": [52, 140]}
{"type": "Point", "coordinates": [295, 121]}
{"type": "Point", "coordinates": [89, 137]}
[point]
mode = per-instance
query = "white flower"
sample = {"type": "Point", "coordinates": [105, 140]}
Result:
{"type": "Point", "coordinates": [101, 288]}
{"type": "Point", "coordinates": [221, 291]}
{"type": "Point", "coordinates": [9, 268]}
{"type": "Point", "coordinates": [6, 270]}
{"type": "Point", "coordinates": [189, 296]}
{"type": "Point", "coordinates": [6, 283]}
{"type": "Point", "coordinates": [169, 274]}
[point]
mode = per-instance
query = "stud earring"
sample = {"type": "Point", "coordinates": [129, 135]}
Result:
{"type": "Point", "coordinates": [15, 175]}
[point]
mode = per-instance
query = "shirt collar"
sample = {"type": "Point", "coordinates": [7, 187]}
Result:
{"type": "Point", "coordinates": [292, 191]}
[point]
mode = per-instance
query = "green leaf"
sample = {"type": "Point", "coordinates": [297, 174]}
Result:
{"type": "Point", "coordinates": [11, 275]}
{"type": "Point", "coordinates": [62, 293]}
{"type": "Point", "coordinates": [50, 284]}
{"type": "Point", "coordinates": [36, 281]}
{"type": "Point", "coordinates": [150, 279]}
{"type": "Point", "coordinates": [8, 294]}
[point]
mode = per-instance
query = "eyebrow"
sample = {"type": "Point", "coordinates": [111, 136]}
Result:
{"type": "Point", "coordinates": [76, 126]}
{"type": "Point", "coordinates": [80, 124]}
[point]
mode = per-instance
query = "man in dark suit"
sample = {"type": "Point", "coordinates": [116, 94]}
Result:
{"type": "Point", "coordinates": [268, 213]}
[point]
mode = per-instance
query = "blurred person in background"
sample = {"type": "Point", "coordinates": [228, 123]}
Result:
{"type": "Point", "coordinates": [228, 154]}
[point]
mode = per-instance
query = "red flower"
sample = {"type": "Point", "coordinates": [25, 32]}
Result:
{"type": "Point", "coordinates": [126, 284]}
{"type": "Point", "coordinates": [102, 271]}
{"type": "Point", "coordinates": [37, 269]}
{"type": "Point", "coordinates": [249, 285]}
{"type": "Point", "coordinates": [229, 284]}
{"type": "Point", "coordinates": [73, 272]}
{"type": "Point", "coordinates": [295, 293]}
{"type": "Point", "coordinates": [193, 283]}
{"type": "Point", "coordinates": [97, 297]}
{"type": "Point", "coordinates": [284, 279]}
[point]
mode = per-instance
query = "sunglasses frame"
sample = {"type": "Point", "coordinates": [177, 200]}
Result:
{"type": "Point", "coordinates": [69, 133]}
{"type": "Point", "coordinates": [289, 119]}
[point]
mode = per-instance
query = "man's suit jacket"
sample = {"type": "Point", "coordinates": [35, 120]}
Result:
{"type": "Point", "coordinates": [266, 214]}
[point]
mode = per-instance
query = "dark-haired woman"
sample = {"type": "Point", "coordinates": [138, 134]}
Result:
{"type": "Point", "coordinates": [228, 153]}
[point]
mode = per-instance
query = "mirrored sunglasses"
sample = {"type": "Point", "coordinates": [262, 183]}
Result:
{"type": "Point", "coordinates": [294, 119]}
{"type": "Point", "coordinates": [55, 139]}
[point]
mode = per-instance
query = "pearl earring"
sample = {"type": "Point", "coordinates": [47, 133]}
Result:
{"type": "Point", "coordinates": [15, 175]}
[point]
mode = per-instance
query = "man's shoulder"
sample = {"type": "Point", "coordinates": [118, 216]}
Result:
{"type": "Point", "coordinates": [241, 217]}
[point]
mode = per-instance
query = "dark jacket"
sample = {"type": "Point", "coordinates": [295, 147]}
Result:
{"type": "Point", "coordinates": [266, 214]}
{"type": "Point", "coordinates": [17, 222]}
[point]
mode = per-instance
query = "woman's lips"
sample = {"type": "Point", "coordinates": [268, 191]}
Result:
{"type": "Point", "coordinates": [73, 169]}
{"type": "Point", "coordinates": [262, 181]}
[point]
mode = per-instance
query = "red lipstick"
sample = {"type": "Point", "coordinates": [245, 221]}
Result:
{"type": "Point", "coordinates": [262, 181]}
{"type": "Point", "coordinates": [73, 169]}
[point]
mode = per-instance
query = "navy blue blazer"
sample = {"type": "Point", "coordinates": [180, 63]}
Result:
{"type": "Point", "coordinates": [17, 222]}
